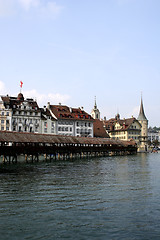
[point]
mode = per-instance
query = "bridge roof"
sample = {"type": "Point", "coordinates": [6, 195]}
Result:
{"type": "Point", "coordinates": [21, 137]}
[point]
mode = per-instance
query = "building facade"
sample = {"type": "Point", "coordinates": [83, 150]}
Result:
{"type": "Point", "coordinates": [123, 129]}
{"type": "Point", "coordinates": [153, 135]}
{"type": "Point", "coordinates": [5, 117]}
{"type": "Point", "coordinates": [71, 121]}
{"type": "Point", "coordinates": [48, 123]}
{"type": "Point", "coordinates": [24, 115]}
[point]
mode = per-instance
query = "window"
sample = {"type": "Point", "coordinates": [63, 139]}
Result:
{"type": "Point", "coordinates": [70, 129]}
{"type": "Point", "coordinates": [7, 128]}
{"type": "Point", "coordinates": [89, 124]}
{"type": "Point", "coordinates": [7, 113]}
{"type": "Point", "coordinates": [2, 113]}
{"type": "Point", "coordinates": [77, 130]}
{"type": "Point", "coordinates": [2, 128]}
{"type": "Point", "coordinates": [77, 123]}
{"type": "Point", "coordinates": [2, 121]}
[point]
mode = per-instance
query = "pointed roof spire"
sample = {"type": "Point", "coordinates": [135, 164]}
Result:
{"type": "Point", "coordinates": [141, 115]}
{"type": "Point", "coordinates": [95, 104]}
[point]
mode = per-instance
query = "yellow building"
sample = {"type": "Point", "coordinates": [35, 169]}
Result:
{"type": "Point", "coordinates": [123, 129]}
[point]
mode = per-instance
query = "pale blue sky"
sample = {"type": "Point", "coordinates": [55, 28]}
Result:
{"type": "Point", "coordinates": [68, 51]}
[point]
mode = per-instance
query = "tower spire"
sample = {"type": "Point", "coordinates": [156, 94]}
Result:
{"type": "Point", "coordinates": [141, 115]}
{"type": "Point", "coordinates": [95, 104]}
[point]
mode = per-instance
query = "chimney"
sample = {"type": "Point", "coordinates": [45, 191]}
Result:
{"type": "Point", "coordinates": [48, 105]}
{"type": "Point", "coordinates": [44, 108]}
{"type": "Point", "coordinates": [104, 118]}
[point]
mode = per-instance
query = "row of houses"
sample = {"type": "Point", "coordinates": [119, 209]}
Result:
{"type": "Point", "coordinates": [24, 115]}
{"type": "Point", "coordinates": [124, 129]}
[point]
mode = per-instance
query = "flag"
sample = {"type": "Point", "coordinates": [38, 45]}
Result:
{"type": "Point", "coordinates": [21, 83]}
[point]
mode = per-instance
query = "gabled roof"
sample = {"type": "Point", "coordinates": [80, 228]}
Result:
{"type": "Point", "coordinates": [45, 113]}
{"type": "Point", "coordinates": [65, 112]}
{"type": "Point", "coordinates": [109, 123]}
{"type": "Point", "coordinates": [124, 123]}
{"type": "Point", "coordinates": [99, 130]}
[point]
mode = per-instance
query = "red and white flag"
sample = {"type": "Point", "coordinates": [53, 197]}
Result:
{"type": "Point", "coordinates": [21, 83]}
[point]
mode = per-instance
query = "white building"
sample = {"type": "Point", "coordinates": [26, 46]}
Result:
{"type": "Point", "coordinates": [5, 117]}
{"type": "Point", "coordinates": [24, 115]}
{"type": "Point", "coordinates": [71, 121]}
{"type": "Point", "coordinates": [48, 123]}
{"type": "Point", "coordinates": [153, 135]}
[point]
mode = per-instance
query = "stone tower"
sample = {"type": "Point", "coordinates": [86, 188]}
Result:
{"type": "Point", "coordinates": [144, 130]}
{"type": "Point", "coordinates": [95, 111]}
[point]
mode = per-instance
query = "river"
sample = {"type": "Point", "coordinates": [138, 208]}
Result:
{"type": "Point", "coordinates": [101, 198]}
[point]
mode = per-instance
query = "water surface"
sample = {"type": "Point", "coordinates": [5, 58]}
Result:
{"type": "Point", "coordinates": [99, 198]}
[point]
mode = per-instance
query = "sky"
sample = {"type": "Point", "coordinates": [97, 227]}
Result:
{"type": "Point", "coordinates": [69, 51]}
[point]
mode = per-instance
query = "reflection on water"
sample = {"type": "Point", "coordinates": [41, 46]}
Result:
{"type": "Point", "coordinates": [99, 198]}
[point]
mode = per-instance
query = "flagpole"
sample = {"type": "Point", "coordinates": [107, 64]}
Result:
{"type": "Point", "coordinates": [21, 83]}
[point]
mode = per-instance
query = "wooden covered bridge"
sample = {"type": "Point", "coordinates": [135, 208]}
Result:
{"type": "Point", "coordinates": [32, 146]}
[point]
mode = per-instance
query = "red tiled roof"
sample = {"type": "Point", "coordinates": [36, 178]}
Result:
{"type": "Point", "coordinates": [64, 112]}
{"type": "Point", "coordinates": [99, 130]}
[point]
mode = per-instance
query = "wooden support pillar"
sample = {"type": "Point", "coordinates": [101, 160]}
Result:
{"type": "Point", "coordinates": [26, 158]}
{"type": "Point", "coordinates": [14, 159]}
{"type": "Point", "coordinates": [4, 159]}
